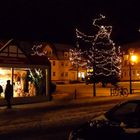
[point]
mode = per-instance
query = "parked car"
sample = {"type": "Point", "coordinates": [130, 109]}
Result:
{"type": "Point", "coordinates": [122, 122]}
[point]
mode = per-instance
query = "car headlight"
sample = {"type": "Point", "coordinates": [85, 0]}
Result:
{"type": "Point", "coordinates": [71, 136]}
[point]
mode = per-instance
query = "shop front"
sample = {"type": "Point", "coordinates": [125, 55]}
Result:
{"type": "Point", "coordinates": [26, 82]}
{"type": "Point", "coordinates": [29, 75]}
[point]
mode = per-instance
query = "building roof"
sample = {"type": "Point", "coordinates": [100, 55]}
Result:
{"type": "Point", "coordinates": [60, 49]}
{"type": "Point", "coordinates": [134, 46]}
{"type": "Point", "coordinates": [4, 43]}
{"type": "Point", "coordinates": [26, 48]}
{"type": "Point", "coordinates": [63, 47]}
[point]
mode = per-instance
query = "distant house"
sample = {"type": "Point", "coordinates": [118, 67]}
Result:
{"type": "Point", "coordinates": [133, 48]}
{"type": "Point", "coordinates": [61, 67]}
{"type": "Point", "coordinates": [29, 74]}
{"type": "Point", "coordinates": [25, 62]}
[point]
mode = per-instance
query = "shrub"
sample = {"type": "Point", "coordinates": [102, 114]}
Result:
{"type": "Point", "coordinates": [74, 81]}
{"type": "Point", "coordinates": [52, 87]}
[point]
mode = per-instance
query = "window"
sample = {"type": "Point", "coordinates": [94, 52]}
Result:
{"type": "Point", "coordinates": [125, 62]}
{"type": "Point", "coordinates": [133, 72]}
{"type": "Point", "coordinates": [125, 74]}
{"type": "Point", "coordinates": [53, 63]}
{"type": "Point", "coordinates": [66, 74]}
{"type": "Point", "coordinates": [53, 73]}
{"type": "Point", "coordinates": [62, 74]}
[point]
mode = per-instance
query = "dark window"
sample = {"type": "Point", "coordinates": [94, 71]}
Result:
{"type": "Point", "coordinates": [53, 73]}
{"type": "Point", "coordinates": [53, 63]}
{"type": "Point", "coordinates": [125, 62]}
{"type": "Point", "coordinates": [66, 74]}
{"type": "Point", "coordinates": [62, 74]}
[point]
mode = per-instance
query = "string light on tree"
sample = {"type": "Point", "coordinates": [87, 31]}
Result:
{"type": "Point", "coordinates": [37, 50]}
{"type": "Point", "coordinates": [102, 55]}
{"type": "Point", "coordinates": [76, 58]}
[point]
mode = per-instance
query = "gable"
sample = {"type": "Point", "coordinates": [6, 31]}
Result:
{"type": "Point", "coordinates": [12, 51]}
{"type": "Point", "coordinates": [11, 54]}
{"type": "Point", "coordinates": [47, 49]}
{"type": "Point", "coordinates": [14, 54]}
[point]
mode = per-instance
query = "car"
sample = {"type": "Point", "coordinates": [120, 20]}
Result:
{"type": "Point", "coordinates": [122, 122]}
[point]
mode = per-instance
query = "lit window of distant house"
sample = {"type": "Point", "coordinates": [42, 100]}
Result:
{"type": "Point", "coordinates": [125, 62]}
{"type": "Point", "coordinates": [62, 74]}
{"type": "Point", "coordinates": [133, 72]}
{"type": "Point", "coordinates": [53, 73]}
{"type": "Point", "coordinates": [66, 74]}
{"type": "Point", "coordinates": [125, 74]}
{"type": "Point", "coordinates": [53, 63]}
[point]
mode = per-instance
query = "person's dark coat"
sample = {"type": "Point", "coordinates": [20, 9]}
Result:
{"type": "Point", "coordinates": [1, 89]}
{"type": "Point", "coordinates": [8, 91]}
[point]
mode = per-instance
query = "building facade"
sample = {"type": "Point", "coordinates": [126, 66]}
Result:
{"type": "Point", "coordinates": [126, 62]}
{"type": "Point", "coordinates": [61, 67]}
{"type": "Point", "coordinates": [29, 74]}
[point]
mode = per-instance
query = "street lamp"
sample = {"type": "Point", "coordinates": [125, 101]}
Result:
{"type": "Point", "coordinates": [132, 60]}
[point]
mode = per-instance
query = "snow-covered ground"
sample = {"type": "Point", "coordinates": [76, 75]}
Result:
{"type": "Point", "coordinates": [53, 120]}
{"type": "Point", "coordinates": [51, 117]}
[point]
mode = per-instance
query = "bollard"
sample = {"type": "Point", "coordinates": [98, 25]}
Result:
{"type": "Point", "coordinates": [111, 90]}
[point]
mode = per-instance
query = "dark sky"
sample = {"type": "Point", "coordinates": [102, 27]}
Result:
{"type": "Point", "coordinates": [56, 20]}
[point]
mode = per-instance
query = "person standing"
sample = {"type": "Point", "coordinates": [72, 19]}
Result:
{"type": "Point", "coordinates": [8, 93]}
{"type": "Point", "coordinates": [1, 90]}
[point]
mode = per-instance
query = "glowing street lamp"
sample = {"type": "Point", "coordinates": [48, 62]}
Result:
{"type": "Point", "coordinates": [132, 59]}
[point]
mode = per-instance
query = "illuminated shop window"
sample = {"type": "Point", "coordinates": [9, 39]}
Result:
{"type": "Point", "coordinates": [26, 82]}
{"type": "Point", "coordinates": [5, 74]}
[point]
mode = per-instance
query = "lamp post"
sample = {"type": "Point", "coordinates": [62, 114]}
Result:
{"type": "Point", "coordinates": [132, 60]}
{"type": "Point", "coordinates": [94, 82]}
{"type": "Point", "coordinates": [130, 75]}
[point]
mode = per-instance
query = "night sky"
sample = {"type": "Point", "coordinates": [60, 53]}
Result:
{"type": "Point", "coordinates": [56, 20]}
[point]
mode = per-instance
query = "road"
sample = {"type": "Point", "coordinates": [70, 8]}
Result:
{"type": "Point", "coordinates": [53, 123]}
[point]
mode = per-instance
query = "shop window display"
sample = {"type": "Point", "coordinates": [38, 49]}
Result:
{"type": "Point", "coordinates": [5, 74]}
{"type": "Point", "coordinates": [26, 82]}
{"type": "Point", "coordinates": [22, 86]}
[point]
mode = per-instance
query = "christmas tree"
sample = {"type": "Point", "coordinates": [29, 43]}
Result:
{"type": "Point", "coordinates": [76, 58]}
{"type": "Point", "coordinates": [102, 56]}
